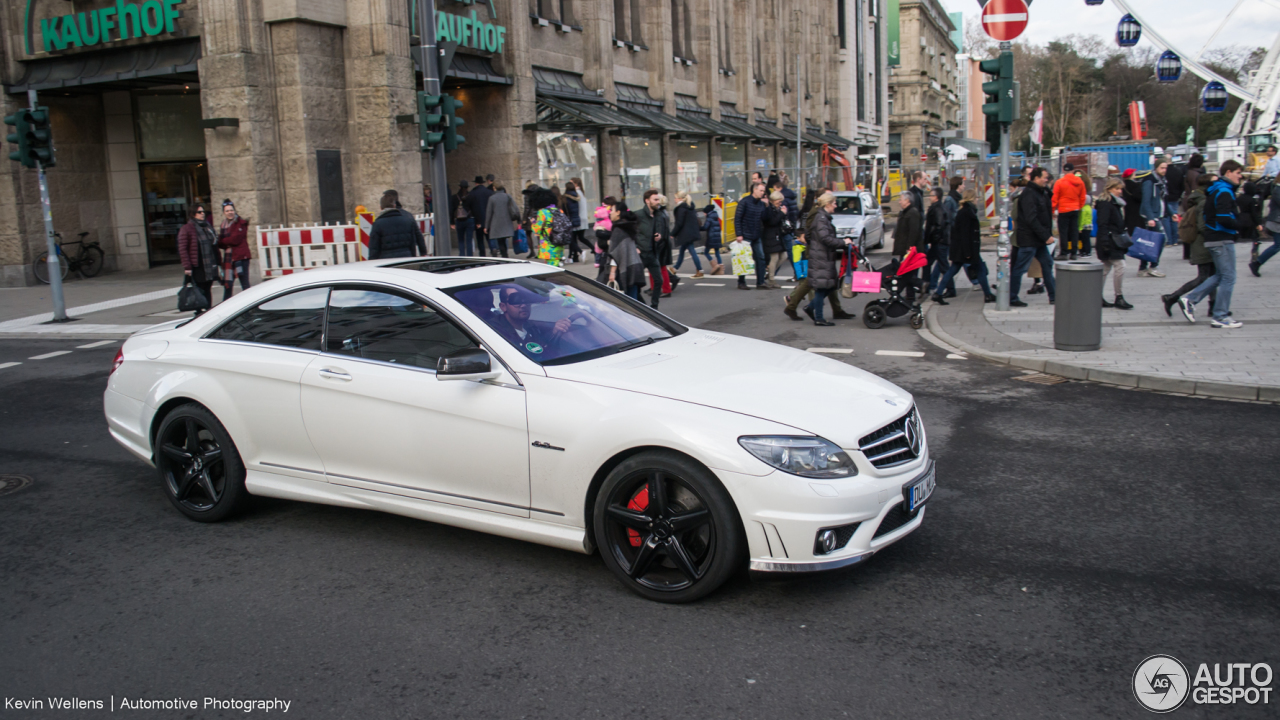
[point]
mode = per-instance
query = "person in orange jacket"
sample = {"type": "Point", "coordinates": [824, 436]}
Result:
{"type": "Point", "coordinates": [1069, 195]}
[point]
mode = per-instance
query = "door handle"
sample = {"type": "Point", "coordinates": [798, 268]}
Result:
{"type": "Point", "coordinates": [334, 375]}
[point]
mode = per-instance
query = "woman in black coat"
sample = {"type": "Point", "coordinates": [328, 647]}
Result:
{"type": "Point", "coordinates": [775, 250]}
{"type": "Point", "coordinates": [825, 253]}
{"type": "Point", "coordinates": [1109, 210]}
{"type": "Point", "coordinates": [966, 244]}
{"type": "Point", "coordinates": [686, 231]}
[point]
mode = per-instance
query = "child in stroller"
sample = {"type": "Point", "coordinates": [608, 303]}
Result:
{"type": "Point", "coordinates": [898, 278]}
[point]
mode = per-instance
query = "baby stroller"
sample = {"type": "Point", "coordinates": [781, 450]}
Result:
{"type": "Point", "coordinates": [893, 280]}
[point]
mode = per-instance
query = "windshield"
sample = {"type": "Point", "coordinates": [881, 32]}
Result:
{"type": "Point", "coordinates": [564, 318]}
{"type": "Point", "coordinates": [848, 205]}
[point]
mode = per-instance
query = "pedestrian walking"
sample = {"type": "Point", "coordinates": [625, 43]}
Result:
{"type": "Point", "coordinates": [1272, 224]}
{"type": "Point", "coordinates": [685, 231]}
{"type": "Point", "coordinates": [1069, 196]}
{"type": "Point", "coordinates": [1221, 229]}
{"type": "Point", "coordinates": [748, 222]}
{"type": "Point", "coordinates": [965, 248]}
{"type": "Point", "coordinates": [1191, 235]}
{"type": "Point", "coordinates": [711, 226]}
{"type": "Point", "coordinates": [1035, 219]}
{"type": "Point", "coordinates": [551, 229]}
{"type": "Point", "coordinates": [1110, 210]}
{"type": "Point", "coordinates": [502, 217]}
{"type": "Point", "coordinates": [825, 253]}
{"type": "Point", "coordinates": [461, 220]}
{"type": "Point", "coordinates": [919, 186]}
{"type": "Point", "coordinates": [1272, 168]}
{"type": "Point", "coordinates": [1190, 176]}
{"type": "Point", "coordinates": [426, 199]}
{"type": "Point", "coordinates": [651, 231]}
{"type": "Point", "coordinates": [908, 234]}
{"type": "Point", "coordinates": [603, 229]}
{"type": "Point", "coordinates": [198, 252]}
{"type": "Point", "coordinates": [477, 204]}
{"type": "Point", "coordinates": [395, 233]}
{"type": "Point", "coordinates": [624, 252]}
{"type": "Point", "coordinates": [937, 238]}
{"type": "Point", "coordinates": [571, 203]}
{"type": "Point", "coordinates": [771, 237]}
{"type": "Point", "coordinates": [1153, 213]}
{"type": "Point", "coordinates": [233, 240]}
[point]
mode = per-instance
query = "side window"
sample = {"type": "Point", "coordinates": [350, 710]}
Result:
{"type": "Point", "coordinates": [389, 327]}
{"type": "Point", "coordinates": [292, 320]}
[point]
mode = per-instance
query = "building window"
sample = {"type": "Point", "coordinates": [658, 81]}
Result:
{"type": "Point", "coordinates": [840, 21]}
{"type": "Point", "coordinates": [562, 156]}
{"type": "Point", "coordinates": [725, 28]}
{"type": "Point", "coordinates": [620, 25]}
{"type": "Point", "coordinates": [566, 12]}
{"type": "Point", "coordinates": [637, 23]}
{"type": "Point", "coordinates": [861, 72]}
{"type": "Point", "coordinates": [693, 170]}
{"type": "Point", "coordinates": [677, 23]}
{"type": "Point", "coordinates": [895, 148]}
{"type": "Point", "coordinates": [641, 167]}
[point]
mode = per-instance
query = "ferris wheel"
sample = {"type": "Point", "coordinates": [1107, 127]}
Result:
{"type": "Point", "coordinates": [1259, 111]}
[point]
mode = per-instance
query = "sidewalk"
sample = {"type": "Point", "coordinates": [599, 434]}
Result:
{"type": "Point", "coordinates": [112, 306]}
{"type": "Point", "coordinates": [1141, 347]}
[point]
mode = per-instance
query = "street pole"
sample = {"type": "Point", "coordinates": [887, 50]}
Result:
{"type": "Point", "coordinates": [432, 84]}
{"type": "Point", "coordinates": [799, 151]}
{"type": "Point", "coordinates": [54, 265]}
{"type": "Point", "coordinates": [1002, 241]}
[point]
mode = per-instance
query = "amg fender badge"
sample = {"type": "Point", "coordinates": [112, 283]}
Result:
{"type": "Point", "coordinates": [546, 446]}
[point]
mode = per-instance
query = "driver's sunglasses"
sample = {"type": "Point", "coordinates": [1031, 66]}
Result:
{"type": "Point", "coordinates": [510, 300]}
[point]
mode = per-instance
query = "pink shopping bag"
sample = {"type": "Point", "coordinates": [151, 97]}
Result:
{"type": "Point", "coordinates": [866, 282]}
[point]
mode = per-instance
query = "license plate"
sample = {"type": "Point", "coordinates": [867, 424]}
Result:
{"type": "Point", "coordinates": [919, 490]}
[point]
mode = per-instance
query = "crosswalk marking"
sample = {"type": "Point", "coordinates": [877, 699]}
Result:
{"type": "Point", "coordinates": [831, 351]}
{"type": "Point", "coordinates": [709, 284]}
{"type": "Point", "coordinates": [46, 356]}
{"type": "Point", "coordinates": [900, 353]}
{"type": "Point", "coordinates": [100, 343]}
{"type": "Point", "coordinates": [8, 365]}
{"type": "Point", "coordinates": [953, 356]}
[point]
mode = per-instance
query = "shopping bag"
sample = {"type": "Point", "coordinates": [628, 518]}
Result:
{"type": "Point", "coordinates": [190, 298]}
{"type": "Point", "coordinates": [865, 282]}
{"type": "Point", "coordinates": [1146, 245]}
{"type": "Point", "coordinates": [743, 261]}
{"type": "Point", "coordinates": [521, 243]}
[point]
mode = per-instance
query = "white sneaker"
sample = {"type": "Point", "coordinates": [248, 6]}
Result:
{"type": "Point", "coordinates": [1188, 309]}
{"type": "Point", "coordinates": [1152, 272]}
{"type": "Point", "coordinates": [1229, 323]}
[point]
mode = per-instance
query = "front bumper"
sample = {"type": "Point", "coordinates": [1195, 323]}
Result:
{"type": "Point", "coordinates": [782, 515]}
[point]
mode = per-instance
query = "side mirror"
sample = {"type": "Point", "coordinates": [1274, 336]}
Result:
{"type": "Point", "coordinates": [465, 364]}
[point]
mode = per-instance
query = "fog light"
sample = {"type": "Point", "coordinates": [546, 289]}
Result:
{"type": "Point", "coordinates": [826, 542]}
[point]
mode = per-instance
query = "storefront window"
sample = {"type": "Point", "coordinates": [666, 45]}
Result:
{"type": "Point", "coordinates": [562, 156]}
{"type": "Point", "coordinates": [760, 159]}
{"type": "Point", "coordinates": [693, 169]}
{"type": "Point", "coordinates": [169, 191]}
{"type": "Point", "coordinates": [812, 173]}
{"type": "Point", "coordinates": [787, 161]}
{"type": "Point", "coordinates": [169, 127]}
{"type": "Point", "coordinates": [733, 169]}
{"type": "Point", "coordinates": [641, 167]}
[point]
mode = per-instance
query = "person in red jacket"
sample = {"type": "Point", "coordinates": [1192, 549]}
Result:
{"type": "Point", "coordinates": [233, 237]}
{"type": "Point", "coordinates": [1069, 195]}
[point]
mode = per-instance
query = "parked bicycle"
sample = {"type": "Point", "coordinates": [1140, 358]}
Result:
{"type": "Point", "coordinates": [87, 261]}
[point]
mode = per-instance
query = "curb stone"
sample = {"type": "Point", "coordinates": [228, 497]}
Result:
{"type": "Point", "coordinates": [1202, 388]}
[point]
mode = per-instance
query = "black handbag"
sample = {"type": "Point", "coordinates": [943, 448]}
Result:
{"type": "Point", "coordinates": [190, 298]}
{"type": "Point", "coordinates": [1122, 241]}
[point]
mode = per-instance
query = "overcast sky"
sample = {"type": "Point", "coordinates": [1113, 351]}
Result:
{"type": "Point", "coordinates": [1185, 23]}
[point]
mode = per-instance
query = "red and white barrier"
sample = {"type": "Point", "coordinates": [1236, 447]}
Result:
{"type": "Point", "coordinates": [989, 199]}
{"type": "Point", "coordinates": [286, 250]}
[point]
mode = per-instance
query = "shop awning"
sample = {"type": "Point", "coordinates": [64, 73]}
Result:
{"type": "Point", "coordinates": [171, 63]}
{"type": "Point", "coordinates": [665, 122]}
{"type": "Point", "coordinates": [562, 84]}
{"type": "Point", "coordinates": [688, 109]}
{"type": "Point", "coordinates": [770, 130]}
{"type": "Point", "coordinates": [560, 114]}
{"type": "Point", "coordinates": [467, 70]}
{"type": "Point", "coordinates": [837, 140]}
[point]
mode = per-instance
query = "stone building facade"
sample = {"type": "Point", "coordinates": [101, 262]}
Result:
{"type": "Point", "coordinates": [922, 89]}
{"type": "Point", "coordinates": [295, 109]}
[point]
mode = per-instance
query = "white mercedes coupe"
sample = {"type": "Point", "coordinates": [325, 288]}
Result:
{"type": "Point", "coordinates": [522, 400]}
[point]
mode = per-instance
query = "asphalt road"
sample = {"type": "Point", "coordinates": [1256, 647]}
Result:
{"type": "Point", "coordinates": [1076, 530]}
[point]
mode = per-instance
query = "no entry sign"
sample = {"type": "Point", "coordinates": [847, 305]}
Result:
{"type": "Point", "coordinates": [1004, 19]}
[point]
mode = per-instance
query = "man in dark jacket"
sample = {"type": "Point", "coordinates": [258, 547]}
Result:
{"type": "Point", "coordinates": [749, 224]}
{"type": "Point", "coordinates": [478, 204]}
{"type": "Point", "coordinates": [1035, 222]}
{"type": "Point", "coordinates": [651, 230]}
{"type": "Point", "coordinates": [908, 234]}
{"type": "Point", "coordinates": [395, 233]}
{"type": "Point", "coordinates": [1221, 229]}
{"type": "Point", "coordinates": [919, 186]}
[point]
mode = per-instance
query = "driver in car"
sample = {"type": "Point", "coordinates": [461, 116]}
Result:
{"type": "Point", "coordinates": [515, 303]}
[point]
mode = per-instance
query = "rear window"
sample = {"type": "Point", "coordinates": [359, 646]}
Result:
{"type": "Point", "coordinates": [294, 320]}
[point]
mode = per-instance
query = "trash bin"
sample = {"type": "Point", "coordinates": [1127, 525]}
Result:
{"type": "Point", "coordinates": [1077, 316]}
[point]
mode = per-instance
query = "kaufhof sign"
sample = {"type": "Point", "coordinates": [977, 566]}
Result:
{"type": "Point", "coordinates": [112, 23]}
{"type": "Point", "coordinates": [472, 32]}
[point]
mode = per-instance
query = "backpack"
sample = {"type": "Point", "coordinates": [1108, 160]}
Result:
{"type": "Point", "coordinates": [1192, 224]}
{"type": "Point", "coordinates": [561, 229]}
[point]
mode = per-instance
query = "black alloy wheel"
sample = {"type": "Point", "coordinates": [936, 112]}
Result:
{"type": "Point", "coordinates": [202, 472]}
{"type": "Point", "coordinates": [667, 528]}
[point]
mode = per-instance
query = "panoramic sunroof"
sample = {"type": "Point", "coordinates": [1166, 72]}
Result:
{"type": "Point", "coordinates": [448, 265]}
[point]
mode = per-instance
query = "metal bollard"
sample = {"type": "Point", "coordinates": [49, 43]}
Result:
{"type": "Point", "coordinates": [1077, 315]}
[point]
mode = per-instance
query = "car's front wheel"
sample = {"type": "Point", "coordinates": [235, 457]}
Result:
{"type": "Point", "coordinates": [667, 527]}
{"type": "Point", "coordinates": [200, 468]}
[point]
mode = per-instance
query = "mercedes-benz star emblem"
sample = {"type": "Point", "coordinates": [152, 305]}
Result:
{"type": "Point", "coordinates": [912, 430]}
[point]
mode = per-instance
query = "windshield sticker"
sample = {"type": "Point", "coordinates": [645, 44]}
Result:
{"type": "Point", "coordinates": [533, 347]}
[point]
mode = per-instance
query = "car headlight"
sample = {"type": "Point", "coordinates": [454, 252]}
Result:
{"type": "Point", "coordinates": [810, 457]}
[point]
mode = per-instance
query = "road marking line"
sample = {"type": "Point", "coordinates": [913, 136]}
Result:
{"type": "Point", "coordinates": [100, 343]}
{"type": "Point", "coordinates": [900, 353]}
{"type": "Point", "coordinates": [953, 356]}
{"type": "Point", "coordinates": [709, 284]}
{"type": "Point", "coordinates": [831, 351]}
{"type": "Point", "coordinates": [46, 356]}
{"type": "Point", "coordinates": [8, 365]}
{"type": "Point", "coordinates": [788, 287]}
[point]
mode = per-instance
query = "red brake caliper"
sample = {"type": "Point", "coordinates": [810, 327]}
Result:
{"type": "Point", "coordinates": [639, 503]}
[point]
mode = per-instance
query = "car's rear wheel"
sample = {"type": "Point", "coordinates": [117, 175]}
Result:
{"type": "Point", "coordinates": [200, 468]}
{"type": "Point", "coordinates": [667, 528]}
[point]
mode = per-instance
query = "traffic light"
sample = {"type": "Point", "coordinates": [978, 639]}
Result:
{"type": "Point", "coordinates": [33, 136]}
{"type": "Point", "coordinates": [430, 121]}
{"type": "Point", "coordinates": [1000, 101]}
{"type": "Point", "coordinates": [452, 139]}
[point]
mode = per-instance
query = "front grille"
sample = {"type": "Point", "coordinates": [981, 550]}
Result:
{"type": "Point", "coordinates": [895, 443]}
{"type": "Point", "coordinates": [896, 518]}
